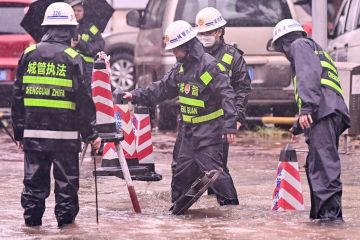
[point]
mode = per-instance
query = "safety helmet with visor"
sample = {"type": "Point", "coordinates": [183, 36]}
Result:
{"type": "Point", "coordinates": [178, 33]}
{"type": "Point", "coordinates": [283, 28]}
{"type": "Point", "coordinates": [59, 13]}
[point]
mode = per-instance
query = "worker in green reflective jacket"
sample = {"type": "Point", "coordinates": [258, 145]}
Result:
{"type": "Point", "coordinates": [89, 41]}
{"type": "Point", "coordinates": [323, 116]}
{"type": "Point", "coordinates": [207, 110]}
{"type": "Point", "coordinates": [51, 108]}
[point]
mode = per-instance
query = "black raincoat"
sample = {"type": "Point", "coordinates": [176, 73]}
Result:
{"type": "Point", "coordinates": [235, 66]}
{"type": "Point", "coordinates": [315, 75]}
{"type": "Point", "coordinates": [91, 42]}
{"type": "Point", "coordinates": [204, 138]}
{"type": "Point", "coordinates": [51, 108]}
{"type": "Point", "coordinates": [234, 62]}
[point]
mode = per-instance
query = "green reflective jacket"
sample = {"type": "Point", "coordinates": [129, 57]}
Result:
{"type": "Point", "coordinates": [206, 98]}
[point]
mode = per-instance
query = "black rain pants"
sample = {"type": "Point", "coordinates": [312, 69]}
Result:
{"type": "Point", "coordinates": [323, 167]}
{"type": "Point", "coordinates": [190, 163]}
{"type": "Point", "coordinates": [37, 184]}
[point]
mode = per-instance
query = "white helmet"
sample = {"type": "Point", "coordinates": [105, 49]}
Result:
{"type": "Point", "coordinates": [284, 27]}
{"type": "Point", "coordinates": [59, 13]}
{"type": "Point", "coordinates": [178, 33]}
{"type": "Point", "coordinates": [208, 19]}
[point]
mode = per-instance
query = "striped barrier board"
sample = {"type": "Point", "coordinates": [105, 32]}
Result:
{"type": "Point", "coordinates": [123, 117]}
{"type": "Point", "coordinates": [144, 147]}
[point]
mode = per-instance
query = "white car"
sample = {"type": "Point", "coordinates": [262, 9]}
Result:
{"type": "Point", "coordinates": [250, 25]}
{"type": "Point", "coordinates": [344, 44]}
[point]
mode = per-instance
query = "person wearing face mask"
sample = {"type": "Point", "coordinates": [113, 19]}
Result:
{"type": "Point", "coordinates": [323, 116]}
{"type": "Point", "coordinates": [207, 110]}
{"type": "Point", "coordinates": [211, 30]}
{"type": "Point", "coordinates": [211, 27]}
{"type": "Point", "coordinates": [89, 40]}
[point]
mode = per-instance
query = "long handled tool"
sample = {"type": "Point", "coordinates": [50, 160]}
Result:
{"type": "Point", "coordinates": [93, 155]}
{"type": "Point", "coordinates": [127, 177]}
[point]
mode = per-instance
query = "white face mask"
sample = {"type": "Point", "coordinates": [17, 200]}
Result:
{"type": "Point", "coordinates": [207, 41]}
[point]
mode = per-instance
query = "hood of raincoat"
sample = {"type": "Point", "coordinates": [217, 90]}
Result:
{"type": "Point", "coordinates": [194, 50]}
{"type": "Point", "coordinates": [286, 42]}
{"type": "Point", "coordinates": [59, 34]}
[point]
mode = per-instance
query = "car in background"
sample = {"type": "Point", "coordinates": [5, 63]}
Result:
{"type": "Point", "coordinates": [120, 46]}
{"type": "Point", "coordinates": [344, 44]}
{"type": "Point", "coordinates": [303, 12]}
{"type": "Point", "coordinates": [13, 41]}
{"type": "Point", "coordinates": [249, 26]}
{"type": "Point", "coordinates": [120, 40]}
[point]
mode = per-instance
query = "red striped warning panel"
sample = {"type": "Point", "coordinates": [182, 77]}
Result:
{"type": "Point", "coordinates": [128, 144]}
{"type": "Point", "coordinates": [144, 147]}
{"type": "Point", "coordinates": [110, 158]}
{"type": "Point", "coordinates": [102, 97]}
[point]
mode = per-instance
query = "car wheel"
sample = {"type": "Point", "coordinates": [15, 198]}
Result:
{"type": "Point", "coordinates": [122, 71]}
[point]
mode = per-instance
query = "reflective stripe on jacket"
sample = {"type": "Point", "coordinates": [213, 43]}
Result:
{"type": "Point", "coordinates": [193, 108]}
{"type": "Point", "coordinates": [206, 97]}
{"type": "Point", "coordinates": [51, 106]}
{"type": "Point", "coordinates": [91, 42]}
{"type": "Point", "coordinates": [329, 76]}
{"type": "Point", "coordinates": [317, 86]}
{"type": "Point", "coordinates": [232, 62]}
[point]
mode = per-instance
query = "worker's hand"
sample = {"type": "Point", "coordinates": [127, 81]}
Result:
{"type": "Point", "coordinates": [305, 121]}
{"type": "Point", "coordinates": [128, 96]}
{"type": "Point", "coordinates": [75, 41]}
{"type": "Point", "coordinates": [238, 125]}
{"type": "Point", "coordinates": [230, 137]}
{"type": "Point", "coordinates": [95, 144]}
{"type": "Point", "coordinates": [19, 144]}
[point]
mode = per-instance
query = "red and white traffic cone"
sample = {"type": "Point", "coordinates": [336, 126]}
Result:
{"type": "Point", "coordinates": [105, 114]}
{"type": "Point", "coordinates": [102, 97]}
{"type": "Point", "coordinates": [105, 117]}
{"type": "Point", "coordinates": [144, 147]}
{"type": "Point", "coordinates": [288, 191]}
{"type": "Point", "coordinates": [109, 157]}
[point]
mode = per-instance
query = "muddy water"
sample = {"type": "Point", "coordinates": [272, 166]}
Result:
{"type": "Point", "coordinates": [252, 162]}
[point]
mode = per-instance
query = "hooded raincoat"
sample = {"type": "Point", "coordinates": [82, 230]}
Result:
{"type": "Point", "coordinates": [51, 108]}
{"type": "Point", "coordinates": [207, 110]}
{"type": "Point", "coordinates": [318, 93]}
{"type": "Point", "coordinates": [235, 66]}
{"type": "Point", "coordinates": [90, 43]}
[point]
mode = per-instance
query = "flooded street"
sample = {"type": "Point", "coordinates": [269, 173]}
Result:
{"type": "Point", "coordinates": [252, 162]}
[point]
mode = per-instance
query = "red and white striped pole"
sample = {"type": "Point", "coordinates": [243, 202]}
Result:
{"type": "Point", "coordinates": [288, 191]}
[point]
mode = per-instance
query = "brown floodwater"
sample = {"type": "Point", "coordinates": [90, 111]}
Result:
{"type": "Point", "coordinates": [252, 163]}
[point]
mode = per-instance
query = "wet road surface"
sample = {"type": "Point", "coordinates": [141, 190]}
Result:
{"type": "Point", "coordinates": [252, 163]}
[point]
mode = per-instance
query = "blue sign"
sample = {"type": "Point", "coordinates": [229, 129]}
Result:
{"type": "Point", "coordinates": [2, 75]}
